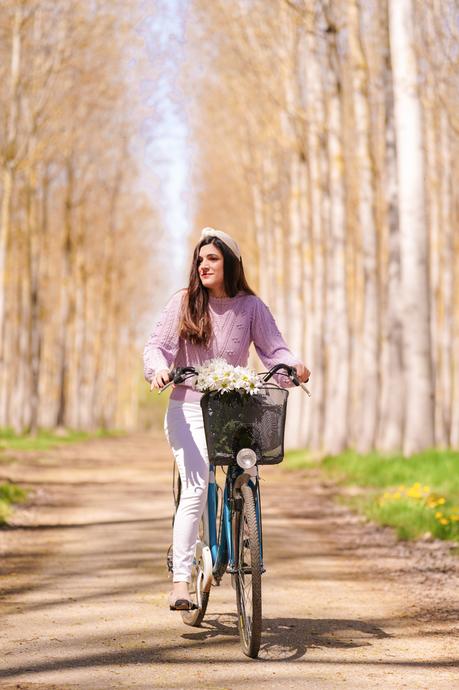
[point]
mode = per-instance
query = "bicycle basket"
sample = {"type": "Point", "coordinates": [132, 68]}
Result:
{"type": "Point", "coordinates": [234, 420]}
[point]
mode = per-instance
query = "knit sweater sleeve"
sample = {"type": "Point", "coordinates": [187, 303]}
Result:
{"type": "Point", "coordinates": [162, 346]}
{"type": "Point", "coordinates": [269, 343]}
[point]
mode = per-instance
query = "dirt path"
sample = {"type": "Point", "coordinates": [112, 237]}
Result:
{"type": "Point", "coordinates": [84, 587]}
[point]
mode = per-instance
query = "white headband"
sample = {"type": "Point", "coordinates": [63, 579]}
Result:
{"type": "Point", "coordinates": [224, 237]}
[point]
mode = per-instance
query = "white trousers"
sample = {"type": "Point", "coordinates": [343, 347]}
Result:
{"type": "Point", "coordinates": [184, 429]}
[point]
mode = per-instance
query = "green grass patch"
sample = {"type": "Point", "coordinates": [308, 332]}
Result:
{"type": "Point", "coordinates": [45, 439]}
{"type": "Point", "coordinates": [412, 518]}
{"type": "Point", "coordinates": [437, 468]}
{"type": "Point", "coordinates": [10, 494]}
{"type": "Point", "coordinates": [417, 496]}
{"type": "Point", "coordinates": [299, 460]}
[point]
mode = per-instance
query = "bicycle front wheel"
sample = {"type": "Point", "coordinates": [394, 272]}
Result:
{"type": "Point", "coordinates": [248, 576]}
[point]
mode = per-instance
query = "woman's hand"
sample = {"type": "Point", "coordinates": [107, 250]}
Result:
{"type": "Point", "coordinates": [160, 379]}
{"type": "Point", "coordinates": [303, 372]}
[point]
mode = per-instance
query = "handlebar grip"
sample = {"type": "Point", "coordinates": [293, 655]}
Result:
{"type": "Point", "coordinates": [295, 378]}
{"type": "Point", "coordinates": [179, 374]}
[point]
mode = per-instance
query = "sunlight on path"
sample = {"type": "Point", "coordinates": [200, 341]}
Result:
{"type": "Point", "coordinates": [84, 588]}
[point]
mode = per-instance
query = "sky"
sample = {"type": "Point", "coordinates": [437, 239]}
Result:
{"type": "Point", "coordinates": [166, 151]}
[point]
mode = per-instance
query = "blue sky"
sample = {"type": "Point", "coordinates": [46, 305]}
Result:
{"type": "Point", "coordinates": [165, 146]}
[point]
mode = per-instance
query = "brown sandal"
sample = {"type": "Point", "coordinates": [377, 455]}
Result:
{"type": "Point", "coordinates": [182, 605]}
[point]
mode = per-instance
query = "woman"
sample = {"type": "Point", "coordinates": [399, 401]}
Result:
{"type": "Point", "coordinates": [218, 315]}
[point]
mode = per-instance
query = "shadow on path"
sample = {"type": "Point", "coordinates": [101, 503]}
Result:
{"type": "Point", "coordinates": [285, 639]}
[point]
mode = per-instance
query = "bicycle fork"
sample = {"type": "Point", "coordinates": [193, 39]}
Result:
{"type": "Point", "coordinates": [248, 476]}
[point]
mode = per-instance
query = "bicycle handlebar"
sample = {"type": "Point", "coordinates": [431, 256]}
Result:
{"type": "Point", "coordinates": [180, 374]}
{"type": "Point", "coordinates": [291, 373]}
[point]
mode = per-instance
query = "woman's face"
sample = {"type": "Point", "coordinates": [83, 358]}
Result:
{"type": "Point", "coordinates": [211, 268]}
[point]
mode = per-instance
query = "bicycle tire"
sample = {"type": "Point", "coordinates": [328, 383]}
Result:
{"type": "Point", "coordinates": [248, 584]}
{"type": "Point", "coordinates": [195, 618]}
{"type": "Point", "coordinates": [202, 562]}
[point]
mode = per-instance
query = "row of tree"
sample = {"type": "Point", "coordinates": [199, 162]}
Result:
{"type": "Point", "coordinates": [326, 133]}
{"type": "Point", "coordinates": [73, 225]}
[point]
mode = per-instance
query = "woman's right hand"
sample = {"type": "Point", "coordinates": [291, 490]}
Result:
{"type": "Point", "coordinates": [160, 379]}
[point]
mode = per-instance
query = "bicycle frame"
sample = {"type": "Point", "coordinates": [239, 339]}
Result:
{"type": "Point", "coordinates": [224, 558]}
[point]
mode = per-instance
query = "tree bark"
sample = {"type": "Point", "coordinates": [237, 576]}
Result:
{"type": "Point", "coordinates": [369, 366]}
{"type": "Point", "coordinates": [419, 403]}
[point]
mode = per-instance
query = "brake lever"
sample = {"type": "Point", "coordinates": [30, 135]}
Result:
{"type": "Point", "coordinates": [305, 388]}
{"type": "Point", "coordinates": [297, 382]}
{"type": "Point", "coordinates": [161, 390]}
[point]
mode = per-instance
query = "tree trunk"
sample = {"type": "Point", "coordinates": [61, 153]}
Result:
{"type": "Point", "coordinates": [336, 411]}
{"type": "Point", "coordinates": [419, 404]}
{"type": "Point", "coordinates": [369, 366]}
{"type": "Point", "coordinates": [66, 300]}
{"type": "Point", "coordinates": [390, 427]}
{"type": "Point", "coordinates": [315, 286]}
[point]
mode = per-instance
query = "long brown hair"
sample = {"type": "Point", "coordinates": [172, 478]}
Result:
{"type": "Point", "coordinates": [195, 324]}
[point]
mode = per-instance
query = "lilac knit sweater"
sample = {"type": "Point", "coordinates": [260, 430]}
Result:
{"type": "Point", "coordinates": [236, 322]}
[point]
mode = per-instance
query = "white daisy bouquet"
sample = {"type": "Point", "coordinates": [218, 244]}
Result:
{"type": "Point", "coordinates": [217, 375]}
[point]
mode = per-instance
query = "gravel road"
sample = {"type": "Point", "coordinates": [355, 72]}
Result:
{"type": "Point", "coordinates": [84, 586]}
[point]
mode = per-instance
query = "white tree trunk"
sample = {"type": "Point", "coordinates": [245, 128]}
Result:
{"type": "Point", "coordinates": [369, 366]}
{"type": "Point", "coordinates": [337, 392]}
{"type": "Point", "coordinates": [296, 311]}
{"type": "Point", "coordinates": [390, 427]}
{"type": "Point", "coordinates": [447, 264]}
{"type": "Point", "coordinates": [315, 255]}
{"type": "Point", "coordinates": [9, 164]}
{"type": "Point", "coordinates": [419, 410]}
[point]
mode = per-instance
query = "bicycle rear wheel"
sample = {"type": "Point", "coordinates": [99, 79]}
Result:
{"type": "Point", "coordinates": [248, 576]}
{"type": "Point", "coordinates": [201, 580]}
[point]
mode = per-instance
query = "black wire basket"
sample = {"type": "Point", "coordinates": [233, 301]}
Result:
{"type": "Point", "coordinates": [235, 420]}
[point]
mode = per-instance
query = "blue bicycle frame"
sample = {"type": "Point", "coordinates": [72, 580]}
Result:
{"type": "Point", "coordinates": [223, 554]}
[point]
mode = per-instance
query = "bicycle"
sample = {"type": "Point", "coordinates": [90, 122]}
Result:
{"type": "Point", "coordinates": [242, 432]}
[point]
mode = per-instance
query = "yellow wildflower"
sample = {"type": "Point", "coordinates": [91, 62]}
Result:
{"type": "Point", "coordinates": [413, 493]}
{"type": "Point", "coordinates": [438, 515]}
{"type": "Point", "coordinates": [440, 501]}
{"type": "Point", "coordinates": [444, 521]}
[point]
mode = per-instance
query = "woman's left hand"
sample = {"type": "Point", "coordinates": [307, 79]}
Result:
{"type": "Point", "coordinates": [303, 372]}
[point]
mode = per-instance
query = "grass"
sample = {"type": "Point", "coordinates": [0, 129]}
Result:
{"type": "Point", "coordinates": [437, 468]}
{"type": "Point", "coordinates": [44, 439]}
{"type": "Point", "coordinates": [298, 460]}
{"type": "Point", "coordinates": [10, 494]}
{"type": "Point", "coordinates": [417, 496]}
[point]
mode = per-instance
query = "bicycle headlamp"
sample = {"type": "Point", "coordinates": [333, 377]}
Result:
{"type": "Point", "coordinates": [246, 458]}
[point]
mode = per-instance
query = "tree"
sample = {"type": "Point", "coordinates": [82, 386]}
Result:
{"type": "Point", "coordinates": [419, 407]}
